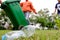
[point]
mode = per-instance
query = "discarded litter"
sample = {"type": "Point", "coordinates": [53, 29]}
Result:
{"type": "Point", "coordinates": [27, 31]}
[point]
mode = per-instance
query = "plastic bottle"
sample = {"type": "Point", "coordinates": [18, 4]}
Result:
{"type": "Point", "coordinates": [4, 37]}
{"type": "Point", "coordinates": [29, 30]}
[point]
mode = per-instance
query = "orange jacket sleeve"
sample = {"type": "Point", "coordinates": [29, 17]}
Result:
{"type": "Point", "coordinates": [33, 8]}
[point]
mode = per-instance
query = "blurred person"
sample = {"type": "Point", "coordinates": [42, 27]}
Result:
{"type": "Point", "coordinates": [0, 1]}
{"type": "Point", "coordinates": [57, 7]}
{"type": "Point", "coordinates": [27, 8]}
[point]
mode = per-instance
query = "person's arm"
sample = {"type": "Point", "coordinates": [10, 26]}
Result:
{"type": "Point", "coordinates": [33, 8]}
{"type": "Point", "coordinates": [21, 4]}
{"type": "Point", "coordinates": [0, 1]}
{"type": "Point", "coordinates": [55, 8]}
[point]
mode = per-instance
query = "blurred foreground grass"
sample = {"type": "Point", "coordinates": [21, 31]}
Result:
{"type": "Point", "coordinates": [39, 35]}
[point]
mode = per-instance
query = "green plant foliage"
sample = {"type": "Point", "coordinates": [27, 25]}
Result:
{"type": "Point", "coordinates": [2, 28]}
{"type": "Point", "coordinates": [44, 19]}
{"type": "Point", "coordinates": [57, 21]}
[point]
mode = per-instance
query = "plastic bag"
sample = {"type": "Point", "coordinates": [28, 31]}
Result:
{"type": "Point", "coordinates": [27, 31]}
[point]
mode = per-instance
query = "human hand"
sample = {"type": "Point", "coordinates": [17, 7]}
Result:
{"type": "Point", "coordinates": [35, 12]}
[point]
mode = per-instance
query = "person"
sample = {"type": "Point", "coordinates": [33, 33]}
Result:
{"type": "Point", "coordinates": [0, 1]}
{"type": "Point", "coordinates": [27, 8]}
{"type": "Point", "coordinates": [57, 8]}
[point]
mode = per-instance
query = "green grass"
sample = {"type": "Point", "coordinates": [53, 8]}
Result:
{"type": "Point", "coordinates": [2, 32]}
{"type": "Point", "coordinates": [39, 35]}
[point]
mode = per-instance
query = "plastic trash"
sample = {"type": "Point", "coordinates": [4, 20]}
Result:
{"type": "Point", "coordinates": [15, 35]}
{"type": "Point", "coordinates": [4, 37]}
{"type": "Point", "coordinates": [27, 31]}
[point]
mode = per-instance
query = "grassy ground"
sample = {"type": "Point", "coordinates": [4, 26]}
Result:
{"type": "Point", "coordinates": [39, 35]}
{"type": "Point", "coordinates": [2, 32]}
